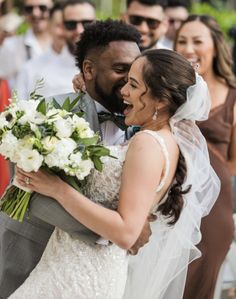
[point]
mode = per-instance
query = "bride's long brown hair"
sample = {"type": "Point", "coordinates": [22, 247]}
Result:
{"type": "Point", "coordinates": [168, 75]}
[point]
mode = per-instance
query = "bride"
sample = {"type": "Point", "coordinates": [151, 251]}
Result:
{"type": "Point", "coordinates": [164, 169]}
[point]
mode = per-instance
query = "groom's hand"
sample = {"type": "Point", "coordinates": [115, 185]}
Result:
{"type": "Point", "coordinates": [144, 236]}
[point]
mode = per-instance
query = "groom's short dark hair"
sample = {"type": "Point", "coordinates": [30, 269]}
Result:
{"type": "Point", "coordinates": [99, 34]}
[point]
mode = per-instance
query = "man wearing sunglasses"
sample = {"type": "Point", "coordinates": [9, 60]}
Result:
{"type": "Point", "coordinates": [76, 15]}
{"type": "Point", "coordinates": [148, 17]}
{"type": "Point", "coordinates": [176, 12]}
{"type": "Point", "coordinates": [56, 66]}
{"type": "Point", "coordinates": [16, 50]}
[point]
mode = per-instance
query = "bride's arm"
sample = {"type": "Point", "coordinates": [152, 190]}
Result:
{"type": "Point", "coordinates": [140, 177]}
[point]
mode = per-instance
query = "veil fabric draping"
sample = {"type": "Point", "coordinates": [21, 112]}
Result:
{"type": "Point", "coordinates": [160, 268]}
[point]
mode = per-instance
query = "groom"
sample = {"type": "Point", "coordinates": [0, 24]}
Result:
{"type": "Point", "coordinates": [104, 55]}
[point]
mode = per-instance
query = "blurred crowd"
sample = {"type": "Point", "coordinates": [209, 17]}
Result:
{"type": "Point", "coordinates": [46, 51]}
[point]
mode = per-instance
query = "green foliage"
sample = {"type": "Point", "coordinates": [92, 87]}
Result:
{"type": "Point", "coordinates": [42, 107]}
{"type": "Point", "coordinates": [225, 17]}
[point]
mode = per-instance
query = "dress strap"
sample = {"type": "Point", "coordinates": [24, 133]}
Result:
{"type": "Point", "coordinates": [161, 142]}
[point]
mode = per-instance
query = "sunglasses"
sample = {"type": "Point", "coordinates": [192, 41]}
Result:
{"type": "Point", "coordinates": [72, 24]}
{"type": "Point", "coordinates": [138, 20]}
{"type": "Point", "coordinates": [28, 9]}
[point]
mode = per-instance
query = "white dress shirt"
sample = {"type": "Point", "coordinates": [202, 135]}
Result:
{"type": "Point", "coordinates": [56, 70]}
{"type": "Point", "coordinates": [165, 43]}
{"type": "Point", "coordinates": [111, 134]}
{"type": "Point", "coordinates": [14, 53]}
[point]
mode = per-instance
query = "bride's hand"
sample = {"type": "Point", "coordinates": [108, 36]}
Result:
{"type": "Point", "coordinates": [78, 83]}
{"type": "Point", "coordinates": [40, 182]}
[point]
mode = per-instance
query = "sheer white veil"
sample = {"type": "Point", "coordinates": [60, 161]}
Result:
{"type": "Point", "coordinates": [159, 270]}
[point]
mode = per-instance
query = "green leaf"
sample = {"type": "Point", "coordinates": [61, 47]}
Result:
{"type": "Point", "coordinates": [56, 104]}
{"type": "Point", "coordinates": [99, 150]}
{"type": "Point", "coordinates": [75, 101]}
{"type": "Point", "coordinates": [90, 141]}
{"type": "Point", "coordinates": [97, 163]}
{"type": "Point", "coordinates": [80, 114]}
{"type": "Point", "coordinates": [42, 107]}
{"type": "Point", "coordinates": [66, 104]}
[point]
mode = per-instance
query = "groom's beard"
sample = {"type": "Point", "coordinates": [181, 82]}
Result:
{"type": "Point", "coordinates": [110, 101]}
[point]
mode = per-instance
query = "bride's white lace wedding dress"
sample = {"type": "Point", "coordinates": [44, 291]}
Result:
{"type": "Point", "coordinates": [73, 269]}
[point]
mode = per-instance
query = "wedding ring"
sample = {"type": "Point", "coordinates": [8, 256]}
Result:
{"type": "Point", "coordinates": [27, 180]}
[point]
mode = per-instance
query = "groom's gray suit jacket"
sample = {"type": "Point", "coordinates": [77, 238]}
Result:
{"type": "Point", "coordinates": [22, 244]}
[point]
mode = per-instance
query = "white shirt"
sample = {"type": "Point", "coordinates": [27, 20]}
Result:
{"type": "Point", "coordinates": [165, 43]}
{"type": "Point", "coordinates": [56, 70]}
{"type": "Point", "coordinates": [111, 134]}
{"type": "Point", "coordinates": [13, 54]}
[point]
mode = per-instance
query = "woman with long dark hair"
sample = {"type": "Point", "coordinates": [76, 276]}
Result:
{"type": "Point", "coordinates": [201, 41]}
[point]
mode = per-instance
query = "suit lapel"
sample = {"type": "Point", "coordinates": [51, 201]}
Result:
{"type": "Point", "coordinates": [88, 106]}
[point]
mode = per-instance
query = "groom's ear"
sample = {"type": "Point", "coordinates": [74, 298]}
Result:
{"type": "Point", "coordinates": [88, 69]}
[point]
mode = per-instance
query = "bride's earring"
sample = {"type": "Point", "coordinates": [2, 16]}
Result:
{"type": "Point", "coordinates": [154, 117]}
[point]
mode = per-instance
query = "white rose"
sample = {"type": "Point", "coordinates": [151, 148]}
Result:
{"type": "Point", "coordinates": [29, 160]}
{"type": "Point", "coordinates": [49, 143]}
{"type": "Point", "coordinates": [64, 128]}
{"type": "Point", "coordinates": [59, 157]}
{"type": "Point", "coordinates": [84, 169]}
{"type": "Point", "coordinates": [82, 127]}
{"type": "Point", "coordinates": [52, 115]}
{"type": "Point", "coordinates": [87, 134]}
{"type": "Point", "coordinates": [76, 159]}
{"type": "Point", "coordinates": [30, 105]}
{"type": "Point", "coordinates": [69, 170]}
{"type": "Point", "coordinates": [8, 145]}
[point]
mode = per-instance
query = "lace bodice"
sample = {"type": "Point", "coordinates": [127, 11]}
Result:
{"type": "Point", "coordinates": [103, 187]}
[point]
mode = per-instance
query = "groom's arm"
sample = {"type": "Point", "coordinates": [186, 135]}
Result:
{"type": "Point", "coordinates": [48, 210]}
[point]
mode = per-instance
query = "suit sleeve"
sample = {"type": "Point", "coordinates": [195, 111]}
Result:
{"type": "Point", "coordinates": [50, 211]}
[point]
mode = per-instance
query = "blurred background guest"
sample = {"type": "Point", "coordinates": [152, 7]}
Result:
{"type": "Point", "coordinates": [15, 51]}
{"type": "Point", "coordinates": [57, 66]}
{"type": "Point", "coordinates": [9, 23]}
{"type": "Point", "coordinates": [148, 17]}
{"type": "Point", "coordinates": [176, 11]}
{"type": "Point", "coordinates": [201, 41]}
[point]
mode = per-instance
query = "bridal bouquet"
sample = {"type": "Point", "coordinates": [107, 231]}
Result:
{"type": "Point", "coordinates": [35, 134]}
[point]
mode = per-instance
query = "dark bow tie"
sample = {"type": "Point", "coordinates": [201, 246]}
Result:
{"type": "Point", "coordinates": [116, 118]}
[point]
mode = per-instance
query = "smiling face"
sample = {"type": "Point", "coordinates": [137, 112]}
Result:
{"type": "Point", "coordinates": [37, 14]}
{"type": "Point", "coordinates": [141, 105]}
{"type": "Point", "coordinates": [109, 73]}
{"type": "Point", "coordinates": [148, 20]}
{"type": "Point", "coordinates": [77, 14]}
{"type": "Point", "coordinates": [175, 16]}
{"type": "Point", "coordinates": [195, 43]}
